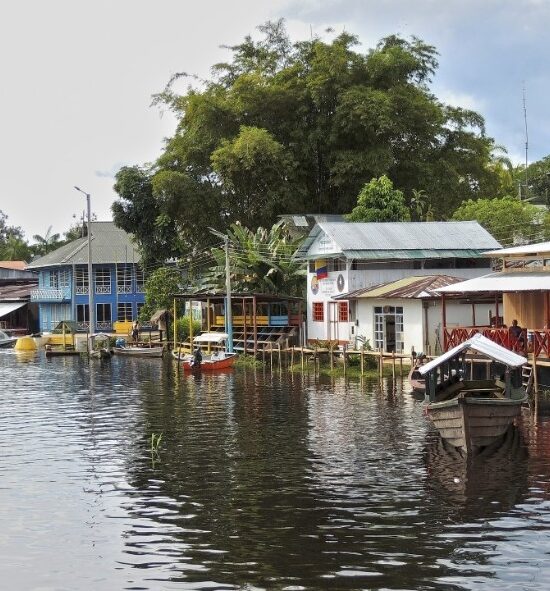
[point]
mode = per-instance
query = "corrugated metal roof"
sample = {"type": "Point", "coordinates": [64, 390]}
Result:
{"type": "Point", "coordinates": [109, 245]}
{"type": "Point", "coordinates": [419, 286]}
{"type": "Point", "coordinates": [424, 253]}
{"type": "Point", "coordinates": [482, 345]}
{"type": "Point", "coordinates": [502, 282]}
{"type": "Point", "coordinates": [17, 292]}
{"type": "Point", "coordinates": [404, 239]}
{"type": "Point", "coordinates": [538, 248]}
{"type": "Point", "coordinates": [17, 265]}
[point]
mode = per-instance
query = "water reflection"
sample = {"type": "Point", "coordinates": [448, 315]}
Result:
{"type": "Point", "coordinates": [262, 481]}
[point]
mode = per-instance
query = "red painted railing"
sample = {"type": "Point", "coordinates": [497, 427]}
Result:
{"type": "Point", "coordinates": [532, 341]}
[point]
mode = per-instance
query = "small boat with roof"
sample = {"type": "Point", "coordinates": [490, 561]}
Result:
{"type": "Point", "coordinates": [472, 413]}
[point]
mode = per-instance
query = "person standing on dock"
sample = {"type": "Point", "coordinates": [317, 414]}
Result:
{"type": "Point", "coordinates": [135, 331]}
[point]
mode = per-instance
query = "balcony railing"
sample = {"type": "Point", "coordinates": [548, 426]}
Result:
{"type": "Point", "coordinates": [124, 289]}
{"type": "Point", "coordinates": [103, 289]}
{"type": "Point", "coordinates": [49, 294]}
{"type": "Point", "coordinates": [532, 341]}
{"type": "Point", "coordinates": [81, 290]}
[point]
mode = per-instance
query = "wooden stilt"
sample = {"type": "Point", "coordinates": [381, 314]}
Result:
{"type": "Point", "coordinates": [302, 357]}
{"type": "Point", "coordinates": [362, 361]}
{"type": "Point", "coordinates": [292, 359]}
{"type": "Point", "coordinates": [345, 360]}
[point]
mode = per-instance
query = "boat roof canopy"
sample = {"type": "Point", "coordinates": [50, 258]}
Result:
{"type": "Point", "coordinates": [211, 337]}
{"type": "Point", "coordinates": [482, 345]}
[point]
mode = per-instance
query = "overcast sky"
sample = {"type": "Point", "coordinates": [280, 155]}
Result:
{"type": "Point", "coordinates": [77, 79]}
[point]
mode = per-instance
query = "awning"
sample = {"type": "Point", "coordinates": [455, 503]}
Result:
{"type": "Point", "coordinates": [482, 345]}
{"type": "Point", "coordinates": [211, 337]}
{"type": "Point", "coordinates": [9, 307]}
{"type": "Point", "coordinates": [502, 282]}
{"type": "Point", "coordinates": [158, 315]}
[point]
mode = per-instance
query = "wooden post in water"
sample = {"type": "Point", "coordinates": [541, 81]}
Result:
{"type": "Point", "coordinates": [279, 347]}
{"type": "Point", "coordinates": [535, 383]}
{"type": "Point", "coordinates": [401, 365]}
{"type": "Point", "coordinates": [292, 359]}
{"type": "Point", "coordinates": [345, 353]}
{"type": "Point", "coordinates": [362, 360]}
{"type": "Point", "coordinates": [263, 354]}
{"type": "Point", "coordinates": [393, 365]}
{"type": "Point", "coordinates": [331, 357]}
{"type": "Point", "coordinates": [302, 357]}
{"type": "Point", "coordinates": [271, 355]}
{"type": "Point", "coordinates": [381, 361]}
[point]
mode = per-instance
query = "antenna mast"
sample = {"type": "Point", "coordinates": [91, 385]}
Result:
{"type": "Point", "coordinates": [526, 142]}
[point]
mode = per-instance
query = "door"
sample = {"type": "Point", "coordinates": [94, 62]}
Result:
{"type": "Point", "coordinates": [332, 313]}
{"type": "Point", "coordinates": [388, 329]}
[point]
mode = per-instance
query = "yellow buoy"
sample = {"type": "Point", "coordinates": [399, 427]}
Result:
{"type": "Point", "coordinates": [25, 344]}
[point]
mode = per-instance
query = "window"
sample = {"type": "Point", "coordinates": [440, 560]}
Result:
{"type": "Point", "coordinates": [81, 281]}
{"type": "Point", "coordinates": [103, 312]}
{"type": "Point", "coordinates": [336, 265]}
{"type": "Point", "coordinates": [140, 280]}
{"type": "Point", "coordinates": [103, 280]}
{"type": "Point", "coordinates": [124, 279]}
{"type": "Point", "coordinates": [54, 279]}
{"type": "Point", "coordinates": [343, 312]}
{"type": "Point", "coordinates": [124, 311]}
{"type": "Point", "coordinates": [64, 278]}
{"type": "Point", "coordinates": [82, 313]}
{"type": "Point", "coordinates": [318, 311]}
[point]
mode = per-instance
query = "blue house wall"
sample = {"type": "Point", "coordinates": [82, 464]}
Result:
{"type": "Point", "coordinates": [60, 298]}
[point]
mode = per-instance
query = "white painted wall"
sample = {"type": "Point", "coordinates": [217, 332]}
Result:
{"type": "Point", "coordinates": [324, 290]}
{"type": "Point", "coordinates": [419, 332]}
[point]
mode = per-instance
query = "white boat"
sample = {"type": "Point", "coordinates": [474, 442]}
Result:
{"type": "Point", "coordinates": [130, 351]}
{"type": "Point", "coordinates": [6, 341]}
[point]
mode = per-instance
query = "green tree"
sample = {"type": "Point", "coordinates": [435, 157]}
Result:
{"type": "Point", "coordinates": [9, 234]}
{"type": "Point", "coordinates": [378, 201]}
{"type": "Point", "coordinates": [508, 219]}
{"type": "Point", "coordinates": [160, 287]}
{"type": "Point", "coordinates": [259, 261]}
{"type": "Point", "coordinates": [15, 249]}
{"type": "Point", "coordinates": [45, 244]}
{"type": "Point", "coordinates": [139, 213]}
{"type": "Point", "coordinates": [286, 127]}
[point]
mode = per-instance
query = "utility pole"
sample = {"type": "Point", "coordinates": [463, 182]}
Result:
{"type": "Point", "coordinates": [90, 271]}
{"type": "Point", "coordinates": [228, 313]}
{"type": "Point", "coordinates": [526, 144]}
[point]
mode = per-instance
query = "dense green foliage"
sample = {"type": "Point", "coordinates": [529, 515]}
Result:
{"type": "Point", "coordinates": [508, 219]}
{"type": "Point", "coordinates": [301, 127]}
{"type": "Point", "coordinates": [260, 262]}
{"type": "Point", "coordinates": [139, 212]}
{"type": "Point", "coordinates": [378, 201]}
{"type": "Point", "coordinates": [160, 287]}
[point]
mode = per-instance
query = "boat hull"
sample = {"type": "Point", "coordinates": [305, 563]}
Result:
{"type": "Point", "coordinates": [139, 351]}
{"type": "Point", "coordinates": [473, 423]}
{"type": "Point", "coordinates": [211, 365]}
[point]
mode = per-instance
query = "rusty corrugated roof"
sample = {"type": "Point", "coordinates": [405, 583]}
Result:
{"type": "Point", "coordinates": [17, 265]}
{"type": "Point", "coordinates": [419, 286]}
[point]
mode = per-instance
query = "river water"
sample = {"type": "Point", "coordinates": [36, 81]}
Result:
{"type": "Point", "coordinates": [260, 481]}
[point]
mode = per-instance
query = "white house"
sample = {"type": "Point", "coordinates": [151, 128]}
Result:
{"type": "Point", "coordinates": [345, 257]}
{"type": "Point", "coordinates": [406, 314]}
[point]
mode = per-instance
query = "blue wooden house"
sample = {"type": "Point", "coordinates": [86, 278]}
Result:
{"type": "Point", "coordinates": [118, 281]}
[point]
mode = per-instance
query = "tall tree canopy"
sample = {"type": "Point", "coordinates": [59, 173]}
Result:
{"type": "Point", "coordinates": [378, 201]}
{"type": "Point", "coordinates": [300, 127]}
{"type": "Point", "coordinates": [508, 219]}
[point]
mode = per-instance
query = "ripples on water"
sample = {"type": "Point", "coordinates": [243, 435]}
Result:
{"type": "Point", "coordinates": [261, 482]}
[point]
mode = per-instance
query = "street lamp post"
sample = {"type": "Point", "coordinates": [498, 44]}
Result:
{"type": "Point", "coordinates": [91, 314]}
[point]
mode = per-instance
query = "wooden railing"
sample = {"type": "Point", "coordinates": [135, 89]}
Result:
{"type": "Point", "coordinates": [535, 341]}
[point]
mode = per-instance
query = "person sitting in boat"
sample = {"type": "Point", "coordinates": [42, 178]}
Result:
{"type": "Point", "coordinates": [197, 358]}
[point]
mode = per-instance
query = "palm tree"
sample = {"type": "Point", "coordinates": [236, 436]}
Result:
{"type": "Point", "coordinates": [47, 243]}
{"type": "Point", "coordinates": [259, 261]}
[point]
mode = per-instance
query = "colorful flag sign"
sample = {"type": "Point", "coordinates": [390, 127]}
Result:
{"type": "Point", "coordinates": [321, 270]}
